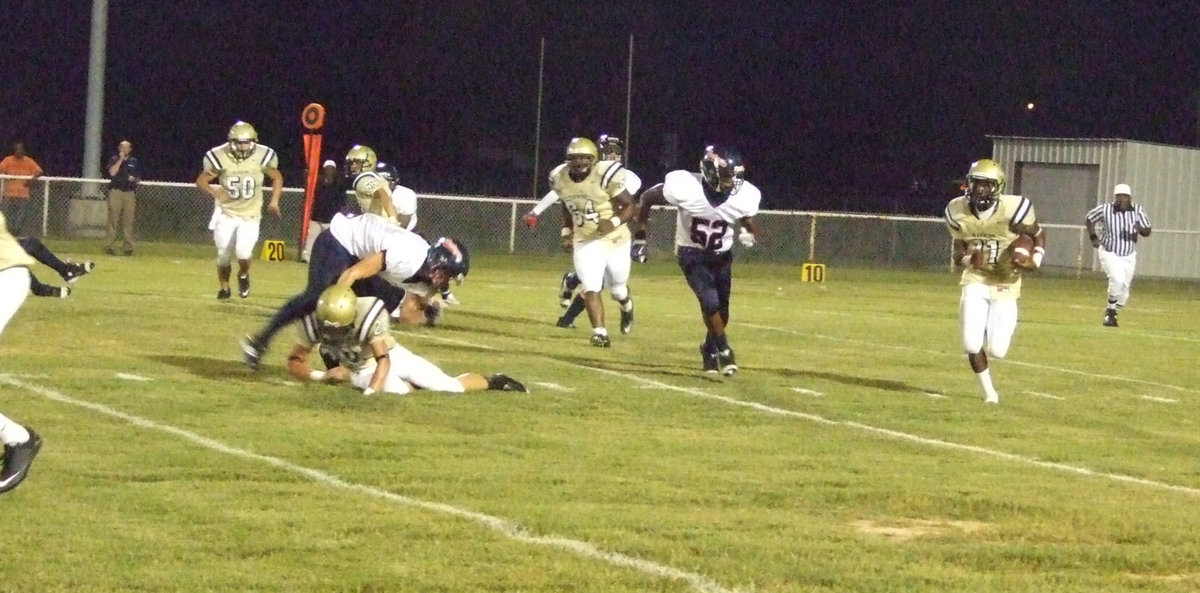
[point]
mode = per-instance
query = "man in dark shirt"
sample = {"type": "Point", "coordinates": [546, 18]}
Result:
{"type": "Point", "coordinates": [329, 198]}
{"type": "Point", "coordinates": [125, 172]}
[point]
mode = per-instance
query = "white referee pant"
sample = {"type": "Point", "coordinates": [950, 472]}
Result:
{"type": "Point", "coordinates": [1119, 269]}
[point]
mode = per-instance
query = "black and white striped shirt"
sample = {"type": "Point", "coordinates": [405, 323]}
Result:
{"type": "Point", "coordinates": [1118, 234]}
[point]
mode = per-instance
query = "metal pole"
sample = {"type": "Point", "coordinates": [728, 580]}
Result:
{"type": "Point", "coordinates": [628, 98]}
{"type": "Point", "coordinates": [537, 129]}
{"type": "Point", "coordinates": [95, 95]}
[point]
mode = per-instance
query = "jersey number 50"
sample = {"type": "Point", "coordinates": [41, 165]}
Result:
{"type": "Point", "coordinates": [709, 234]}
{"type": "Point", "coordinates": [240, 188]}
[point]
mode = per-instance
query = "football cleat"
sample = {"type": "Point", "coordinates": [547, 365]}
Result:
{"type": "Point", "coordinates": [18, 457]}
{"type": "Point", "coordinates": [505, 383]}
{"type": "Point", "coordinates": [710, 360]}
{"type": "Point", "coordinates": [244, 286]}
{"type": "Point", "coordinates": [77, 269]}
{"type": "Point", "coordinates": [626, 321]}
{"type": "Point", "coordinates": [450, 298]}
{"type": "Point", "coordinates": [1110, 320]}
{"type": "Point", "coordinates": [563, 322]}
{"type": "Point", "coordinates": [726, 362]}
{"type": "Point", "coordinates": [223, 294]}
{"type": "Point", "coordinates": [601, 341]}
{"type": "Point", "coordinates": [252, 351]}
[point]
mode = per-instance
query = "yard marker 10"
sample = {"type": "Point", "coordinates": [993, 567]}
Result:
{"type": "Point", "coordinates": [810, 272]}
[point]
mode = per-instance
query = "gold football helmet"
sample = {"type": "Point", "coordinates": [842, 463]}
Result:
{"type": "Point", "coordinates": [985, 181]}
{"type": "Point", "coordinates": [242, 140]}
{"type": "Point", "coordinates": [581, 155]}
{"type": "Point", "coordinates": [337, 308]}
{"type": "Point", "coordinates": [360, 158]}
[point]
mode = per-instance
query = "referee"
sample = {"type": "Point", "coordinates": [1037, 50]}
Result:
{"type": "Point", "coordinates": [1122, 223]}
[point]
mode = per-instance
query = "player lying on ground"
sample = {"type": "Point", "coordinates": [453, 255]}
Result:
{"type": "Point", "coordinates": [355, 340]}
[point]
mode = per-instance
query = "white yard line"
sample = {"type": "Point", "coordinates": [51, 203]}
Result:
{"type": "Point", "coordinates": [500, 525]}
{"type": "Point", "coordinates": [1045, 395]}
{"type": "Point", "coordinates": [1046, 367]}
{"type": "Point", "coordinates": [895, 434]}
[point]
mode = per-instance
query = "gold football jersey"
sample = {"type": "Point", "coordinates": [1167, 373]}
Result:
{"type": "Point", "coordinates": [353, 349]}
{"type": "Point", "coordinates": [365, 186]}
{"type": "Point", "coordinates": [993, 235]}
{"type": "Point", "coordinates": [243, 179]}
{"type": "Point", "coordinates": [11, 253]}
{"type": "Point", "coordinates": [590, 201]}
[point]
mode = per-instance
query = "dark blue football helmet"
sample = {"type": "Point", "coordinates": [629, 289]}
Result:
{"type": "Point", "coordinates": [723, 169]}
{"type": "Point", "coordinates": [451, 256]}
{"type": "Point", "coordinates": [388, 171]}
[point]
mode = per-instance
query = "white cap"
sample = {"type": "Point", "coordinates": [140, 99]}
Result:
{"type": "Point", "coordinates": [1122, 189]}
{"type": "Point", "coordinates": [329, 163]}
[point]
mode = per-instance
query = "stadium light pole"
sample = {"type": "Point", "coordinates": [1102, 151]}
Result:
{"type": "Point", "coordinates": [94, 117]}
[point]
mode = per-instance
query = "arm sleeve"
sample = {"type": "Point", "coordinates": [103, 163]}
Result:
{"type": "Point", "coordinates": [547, 201]}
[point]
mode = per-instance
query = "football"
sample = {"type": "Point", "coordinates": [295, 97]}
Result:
{"type": "Point", "coordinates": [1022, 250]}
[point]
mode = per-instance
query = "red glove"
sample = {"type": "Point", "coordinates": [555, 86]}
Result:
{"type": "Point", "coordinates": [531, 220]}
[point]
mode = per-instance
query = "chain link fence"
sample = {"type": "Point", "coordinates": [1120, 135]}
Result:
{"type": "Point", "coordinates": [73, 208]}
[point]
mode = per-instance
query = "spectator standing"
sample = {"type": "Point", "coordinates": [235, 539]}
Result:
{"type": "Point", "coordinates": [1122, 223]}
{"type": "Point", "coordinates": [328, 200]}
{"type": "Point", "coordinates": [124, 171]}
{"type": "Point", "coordinates": [15, 200]}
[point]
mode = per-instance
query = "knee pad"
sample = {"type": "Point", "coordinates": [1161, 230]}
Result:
{"type": "Point", "coordinates": [709, 303]}
{"type": "Point", "coordinates": [620, 292]}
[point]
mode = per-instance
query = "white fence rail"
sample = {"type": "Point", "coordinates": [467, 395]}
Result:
{"type": "Point", "coordinates": [74, 208]}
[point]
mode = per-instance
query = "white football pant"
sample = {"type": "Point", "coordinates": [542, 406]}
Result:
{"type": "Point", "coordinates": [234, 236]}
{"type": "Point", "coordinates": [1119, 269]}
{"type": "Point", "coordinates": [987, 323]}
{"type": "Point", "coordinates": [14, 287]}
{"type": "Point", "coordinates": [408, 368]}
{"type": "Point", "coordinates": [597, 260]}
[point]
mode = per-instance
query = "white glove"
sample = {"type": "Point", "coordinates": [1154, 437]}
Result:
{"type": "Point", "coordinates": [745, 237]}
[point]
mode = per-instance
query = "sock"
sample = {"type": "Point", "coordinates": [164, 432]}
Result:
{"type": "Point", "coordinates": [575, 309]}
{"type": "Point", "coordinates": [38, 250]}
{"type": "Point", "coordinates": [12, 433]}
{"type": "Point", "coordinates": [985, 382]}
{"type": "Point", "coordinates": [39, 288]}
{"type": "Point", "coordinates": [600, 330]}
{"type": "Point", "coordinates": [627, 304]}
{"type": "Point", "coordinates": [720, 343]}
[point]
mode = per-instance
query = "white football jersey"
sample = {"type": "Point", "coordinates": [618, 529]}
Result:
{"type": "Point", "coordinates": [405, 202]}
{"type": "Point", "coordinates": [365, 185]}
{"type": "Point", "coordinates": [698, 223]}
{"type": "Point", "coordinates": [367, 234]}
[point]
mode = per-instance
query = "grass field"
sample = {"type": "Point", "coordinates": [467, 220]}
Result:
{"type": "Point", "coordinates": [852, 453]}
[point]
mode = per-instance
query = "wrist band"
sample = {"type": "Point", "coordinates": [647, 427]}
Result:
{"type": "Point", "coordinates": [616, 221]}
{"type": "Point", "coordinates": [566, 232]}
{"type": "Point", "coordinates": [316, 375]}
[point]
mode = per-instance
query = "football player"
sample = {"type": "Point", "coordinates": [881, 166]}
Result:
{"type": "Point", "coordinates": [351, 252]}
{"type": "Point", "coordinates": [611, 149]}
{"type": "Point", "coordinates": [370, 188]}
{"type": "Point", "coordinates": [356, 344]}
{"type": "Point", "coordinates": [983, 223]}
{"type": "Point", "coordinates": [404, 200]}
{"type": "Point", "coordinates": [239, 166]}
{"type": "Point", "coordinates": [710, 205]}
{"type": "Point", "coordinates": [597, 207]}
{"type": "Point", "coordinates": [21, 444]}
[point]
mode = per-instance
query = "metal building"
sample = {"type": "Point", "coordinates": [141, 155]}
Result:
{"type": "Point", "coordinates": [1065, 177]}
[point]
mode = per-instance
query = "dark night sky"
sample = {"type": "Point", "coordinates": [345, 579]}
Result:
{"type": "Point", "coordinates": [835, 104]}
